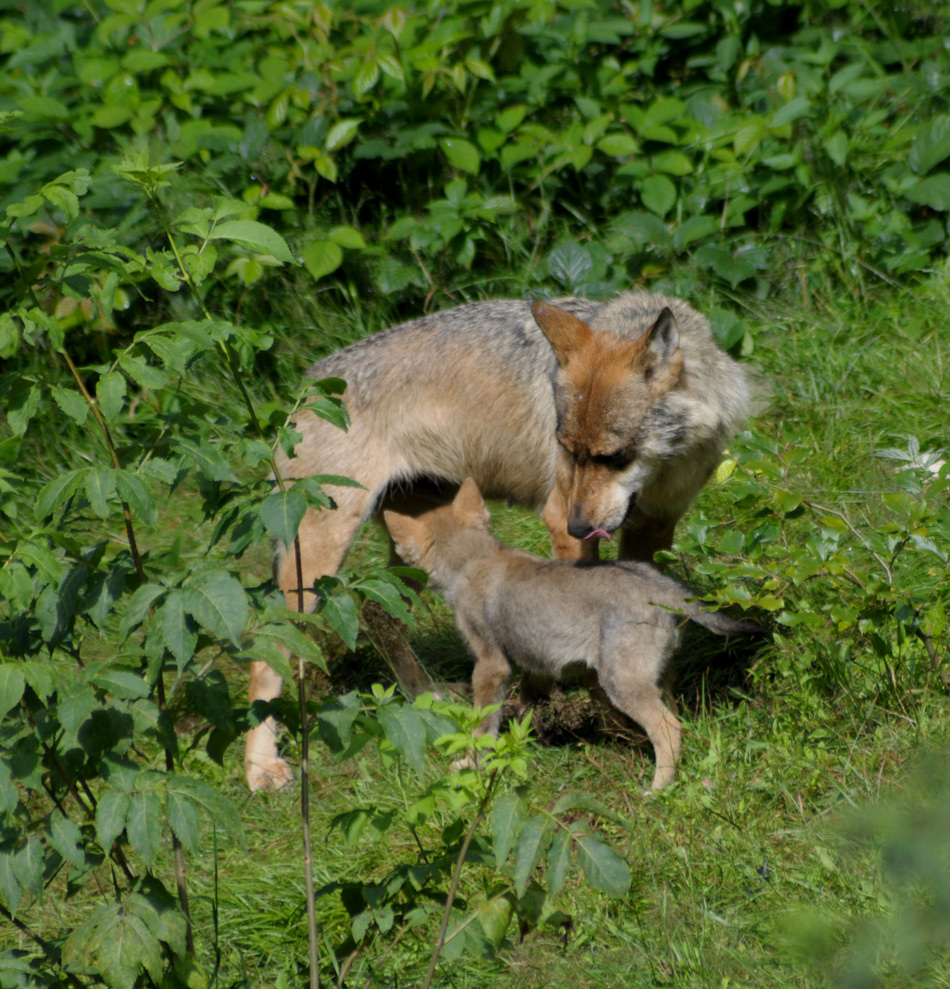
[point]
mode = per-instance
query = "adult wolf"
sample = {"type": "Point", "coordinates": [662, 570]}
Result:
{"type": "Point", "coordinates": [608, 417]}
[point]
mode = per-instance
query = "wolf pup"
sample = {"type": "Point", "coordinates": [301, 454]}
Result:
{"type": "Point", "coordinates": [608, 417]}
{"type": "Point", "coordinates": [544, 615]}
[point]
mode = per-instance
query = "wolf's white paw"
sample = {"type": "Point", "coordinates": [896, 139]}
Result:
{"type": "Point", "coordinates": [469, 762]}
{"type": "Point", "coordinates": [268, 774]}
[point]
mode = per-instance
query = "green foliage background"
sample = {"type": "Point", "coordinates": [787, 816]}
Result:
{"type": "Point", "coordinates": [197, 199]}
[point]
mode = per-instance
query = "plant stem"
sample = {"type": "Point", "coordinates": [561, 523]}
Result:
{"type": "Point", "coordinates": [456, 876]}
{"type": "Point", "coordinates": [313, 932]}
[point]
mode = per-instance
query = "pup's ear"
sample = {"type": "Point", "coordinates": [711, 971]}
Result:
{"type": "Point", "coordinates": [403, 528]}
{"type": "Point", "coordinates": [663, 357]}
{"type": "Point", "coordinates": [470, 504]}
{"type": "Point", "coordinates": [566, 333]}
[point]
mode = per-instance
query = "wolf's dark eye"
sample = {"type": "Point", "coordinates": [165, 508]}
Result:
{"type": "Point", "coordinates": [618, 460]}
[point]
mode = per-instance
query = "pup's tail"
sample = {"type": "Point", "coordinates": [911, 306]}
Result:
{"type": "Point", "coordinates": [719, 623]}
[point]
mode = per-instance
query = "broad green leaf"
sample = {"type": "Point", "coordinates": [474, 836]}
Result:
{"type": "Point", "coordinates": [66, 838]}
{"type": "Point", "coordinates": [348, 237]}
{"type": "Point", "coordinates": [183, 817]}
{"type": "Point", "coordinates": [132, 490]}
{"type": "Point", "coordinates": [462, 154]}
{"type": "Point", "coordinates": [604, 868]}
{"type": "Point", "coordinates": [12, 685]}
{"type": "Point", "coordinates": [931, 145]}
{"type": "Point", "coordinates": [210, 800]}
{"type": "Point", "coordinates": [144, 825]}
{"type": "Point", "coordinates": [110, 391]}
{"type": "Point", "coordinates": [388, 594]}
{"type": "Point", "coordinates": [407, 732]}
{"type": "Point", "coordinates": [321, 258]}
{"type": "Point", "coordinates": [341, 133]}
{"type": "Point", "coordinates": [658, 194]}
{"type": "Point", "coordinates": [138, 608]}
{"type": "Point", "coordinates": [281, 513]}
{"type": "Point", "coordinates": [340, 612]}
{"type": "Point", "coordinates": [112, 811]}
{"type": "Point", "coordinates": [100, 487]}
{"type": "Point", "coordinates": [693, 229]}
{"type": "Point", "coordinates": [366, 77]}
{"type": "Point", "coordinates": [71, 402]}
{"type": "Point", "coordinates": [22, 402]}
{"type": "Point", "coordinates": [28, 865]}
{"type": "Point", "coordinates": [933, 191]}
{"type": "Point", "coordinates": [120, 683]}
{"type": "Point", "coordinates": [256, 236]}
{"type": "Point", "coordinates": [570, 264]}
{"type": "Point", "coordinates": [508, 816]}
{"type": "Point", "coordinates": [219, 603]}
{"type": "Point", "coordinates": [557, 862]}
{"type": "Point", "coordinates": [118, 944]}
{"type": "Point", "coordinates": [533, 839]}
{"type": "Point", "coordinates": [796, 108]}
{"type": "Point", "coordinates": [617, 145]}
{"type": "Point", "coordinates": [9, 885]}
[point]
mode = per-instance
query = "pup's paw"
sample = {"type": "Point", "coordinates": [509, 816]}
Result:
{"type": "Point", "coordinates": [268, 774]}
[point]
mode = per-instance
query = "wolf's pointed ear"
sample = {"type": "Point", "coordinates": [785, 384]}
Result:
{"type": "Point", "coordinates": [470, 504]}
{"type": "Point", "coordinates": [403, 528]}
{"type": "Point", "coordinates": [663, 354]}
{"type": "Point", "coordinates": [566, 333]}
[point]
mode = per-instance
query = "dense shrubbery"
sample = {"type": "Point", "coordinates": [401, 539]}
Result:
{"type": "Point", "coordinates": [178, 180]}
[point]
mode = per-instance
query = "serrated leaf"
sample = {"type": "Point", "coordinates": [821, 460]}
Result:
{"type": "Point", "coordinates": [557, 861]}
{"type": "Point", "coordinates": [570, 264]}
{"type": "Point", "coordinates": [112, 811]}
{"type": "Point", "coordinates": [66, 838]}
{"type": "Point", "coordinates": [724, 470]}
{"type": "Point", "coordinates": [211, 801]}
{"type": "Point", "coordinates": [341, 133]}
{"type": "Point", "coordinates": [218, 602]}
{"type": "Point", "coordinates": [121, 683]}
{"type": "Point", "coordinates": [178, 631]}
{"type": "Point", "coordinates": [321, 258]}
{"type": "Point", "coordinates": [257, 236]}
{"type": "Point", "coordinates": [341, 613]}
{"type": "Point", "coordinates": [144, 825]}
{"type": "Point", "coordinates": [132, 490]}
{"type": "Point", "coordinates": [348, 237]}
{"type": "Point", "coordinates": [100, 487]}
{"type": "Point", "coordinates": [604, 869]}
{"type": "Point", "coordinates": [407, 732]}
{"type": "Point", "coordinates": [508, 815]}
{"type": "Point", "coordinates": [72, 403]}
{"type": "Point", "coordinates": [110, 392]}
{"type": "Point", "coordinates": [57, 492]}
{"type": "Point", "coordinates": [933, 191]}
{"type": "Point", "coordinates": [118, 944]}
{"type": "Point", "coordinates": [366, 77]}
{"type": "Point", "coordinates": [796, 108]}
{"type": "Point", "coordinates": [658, 194]}
{"type": "Point", "coordinates": [462, 154]}
{"type": "Point", "coordinates": [617, 145]}
{"type": "Point", "coordinates": [931, 145]}
{"type": "Point", "coordinates": [138, 607]}
{"type": "Point", "coordinates": [281, 513]}
{"type": "Point", "coordinates": [12, 685]}
{"type": "Point", "coordinates": [390, 596]}
{"type": "Point", "coordinates": [28, 865]}
{"type": "Point", "coordinates": [9, 886]}
{"type": "Point", "coordinates": [183, 818]}
{"type": "Point", "coordinates": [530, 845]}
{"type": "Point", "coordinates": [22, 402]}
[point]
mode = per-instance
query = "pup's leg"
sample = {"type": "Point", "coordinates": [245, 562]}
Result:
{"type": "Point", "coordinates": [489, 684]}
{"type": "Point", "coordinates": [642, 700]}
{"type": "Point", "coordinates": [325, 537]}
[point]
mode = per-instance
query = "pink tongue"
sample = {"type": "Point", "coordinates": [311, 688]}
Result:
{"type": "Point", "coordinates": [598, 534]}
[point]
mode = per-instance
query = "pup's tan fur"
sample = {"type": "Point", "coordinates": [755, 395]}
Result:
{"type": "Point", "coordinates": [621, 620]}
{"type": "Point", "coordinates": [606, 417]}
